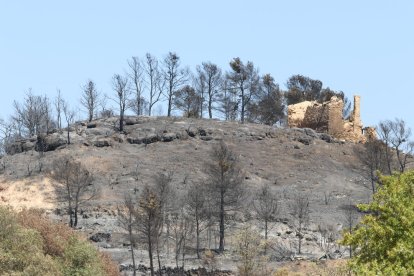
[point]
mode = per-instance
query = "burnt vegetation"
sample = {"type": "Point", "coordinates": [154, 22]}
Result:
{"type": "Point", "coordinates": [197, 218]}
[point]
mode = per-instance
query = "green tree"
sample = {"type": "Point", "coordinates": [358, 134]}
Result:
{"type": "Point", "coordinates": [385, 237]}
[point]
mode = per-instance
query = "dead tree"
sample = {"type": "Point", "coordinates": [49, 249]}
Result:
{"type": "Point", "coordinates": [327, 238]}
{"type": "Point", "coordinates": [154, 80]}
{"type": "Point", "coordinates": [182, 227]}
{"type": "Point", "coordinates": [59, 109]}
{"type": "Point", "coordinates": [198, 208]}
{"type": "Point", "coordinates": [174, 77]}
{"type": "Point", "coordinates": [266, 205]}
{"type": "Point", "coordinates": [69, 117]}
{"type": "Point", "coordinates": [127, 218]}
{"type": "Point", "coordinates": [120, 85]}
{"type": "Point", "coordinates": [90, 99]}
{"type": "Point", "coordinates": [245, 81]}
{"type": "Point", "coordinates": [351, 217]}
{"type": "Point", "coordinates": [373, 156]}
{"type": "Point", "coordinates": [149, 220]}
{"type": "Point", "coordinates": [300, 211]}
{"type": "Point", "coordinates": [166, 195]}
{"type": "Point", "coordinates": [384, 132]}
{"type": "Point", "coordinates": [400, 135]}
{"type": "Point", "coordinates": [209, 82]}
{"type": "Point", "coordinates": [225, 184]}
{"type": "Point", "coordinates": [33, 114]}
{"type": "Point", "coordinates": [74, 186]}
{"type": "Point", "coordinates": [136, 75]}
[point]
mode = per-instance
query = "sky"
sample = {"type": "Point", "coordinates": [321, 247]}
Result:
{"type": "Point", "coordinates": [359, 47]}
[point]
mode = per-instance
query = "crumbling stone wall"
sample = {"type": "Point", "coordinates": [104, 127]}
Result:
{"type": "Point", "coordinates": [327, 117]}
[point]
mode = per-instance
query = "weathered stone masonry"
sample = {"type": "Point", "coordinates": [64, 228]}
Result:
{"type": "Point", "coordinates": [327, 117]}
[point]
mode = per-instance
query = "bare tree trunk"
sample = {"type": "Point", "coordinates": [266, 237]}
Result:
{"type": "Point", "coordinates": [243, 105]}
{"type": "Point", "coordinates": [198, 237]}
{"type": "Point", "coordinates": [75, 216]}
{"type": "Point", "coordinates": [210, 106]}
{"type": "Point", "coordinates": [300, 238]}
{"type": "Point", "coordinates": [221, 243]}
{"type": "Point", "coordinates": [265, 248]}
{"type": "Point", "coordinates": [132, 244]}
{"type": "Point", "coordinates": [150, 253]}
{"type": "Point", "coordinates": [158, 257]}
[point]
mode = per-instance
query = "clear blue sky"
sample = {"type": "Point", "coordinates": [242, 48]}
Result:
{"type": "Point", "coordinates": [359, 47]}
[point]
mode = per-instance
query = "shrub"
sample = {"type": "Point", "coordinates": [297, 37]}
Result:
{"type": "Point", "coordinates": [32, 245]}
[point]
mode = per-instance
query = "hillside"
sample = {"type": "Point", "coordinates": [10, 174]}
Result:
{"type": "Point", "coordinates": [291, 161]}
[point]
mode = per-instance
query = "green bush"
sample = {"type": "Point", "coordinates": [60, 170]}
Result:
{"type": "Point", "coordinates": [81, 258]}
{"type": "Point", "coordinates": [31, 245]}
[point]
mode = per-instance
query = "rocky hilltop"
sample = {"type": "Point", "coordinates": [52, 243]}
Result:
{"type": "Point", "coordinates": [291, 161]}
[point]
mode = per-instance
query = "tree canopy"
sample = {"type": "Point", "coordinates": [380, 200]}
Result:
{"type": "Point", "coordinates": [384, 238]}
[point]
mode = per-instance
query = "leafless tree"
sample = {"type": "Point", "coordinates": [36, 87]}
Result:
{"type": "Point", "coordinates": [166, 195]}
{"type": "Point", "coordinates": [155, 81]}
{"type": "Point", "coordinates": [59, 109]}
{"type": "Point", "coordinates": [199, 85]}
{"type": "Point", "coordinates": [373, 156]}
{"type": "Point", "coordinates": [225, 184]}
{"type": "Point", "coordinates": [75, 185]}
{"type": "Point", "coordinates": [174, 76]}
{"type": "Point", "coordinates": [136, 75]}
{"type": "Point", "coordinates": [400, 135]}
{"type": "Point", "coordinates": [188, 101]}
{"type": "Point", "coordinates": [149, 220]}
{"type": "Point", "coordinates": [33, 114]}
{"type": "Point", "coordinates": [300, 211]}
{"type": "Point", "coordinates": [120, 85]}
{"type": "Point", "coordinates": [90, 99]}
{"type": "Point", "coordinates": [385, 133]}
{"type": "Point", "coordinates": [69, 117]}
{"type": "Point", "coordinates": [6, 135]}
{"type": "Point", "coordinates": [327, 238]}
{"type": "Point", "coordinates": [182, 227]}
{"type": "Point", "coordinates": [127, 218]}
{"type": "Point", "coordinates": [209, 80]}
{"type": "Point", "coordinates": [244, 79]}
{"type": "Point", "coordinates": [351, 218]}
{"type": "Point", "coordinates": [266, 205]}
{"type": "Point", "coordinates": [198, 208]}
{"type": "Point", "coordinates": [228, 102]}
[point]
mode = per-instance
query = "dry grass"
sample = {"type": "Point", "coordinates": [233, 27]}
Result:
{"type": "Point", "coordinates": [36, 192]}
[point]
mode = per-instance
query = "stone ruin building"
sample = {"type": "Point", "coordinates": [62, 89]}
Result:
{"type": "Point", "coordinates": [327, 117]}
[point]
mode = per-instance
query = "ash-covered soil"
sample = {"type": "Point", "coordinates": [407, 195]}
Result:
{"type": "Point", "coordinates": [291, 161]}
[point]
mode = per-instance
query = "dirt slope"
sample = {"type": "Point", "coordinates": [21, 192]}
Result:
{"type": "Point", "coordinates": [290, 160]}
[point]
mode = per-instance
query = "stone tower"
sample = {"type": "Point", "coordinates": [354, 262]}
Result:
{"type": "Point", "coordinates": [356, 115]}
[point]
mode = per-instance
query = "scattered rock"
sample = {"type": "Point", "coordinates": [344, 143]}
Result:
{"type": "Point", "coordinates": [305, 140]}
{"type": "Point", "coordinates": [100, 237]}
{"type": "Point", "coordinates": [192, 132]}
{"type": "Point", "coordinates": [91, 125]}
{"type": "Point", "coordinates": [168, 137]}
{"type": "Point", "coordinates": [202, 132]}
{"type": "Point", "coordinates": [206, 138]}
{"type": "Point", "coordinates": [100, 143]}
{"type": "Point", "coordinates": [310, 132]}
{"type": "Point", "coordinates": [325, 137]}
